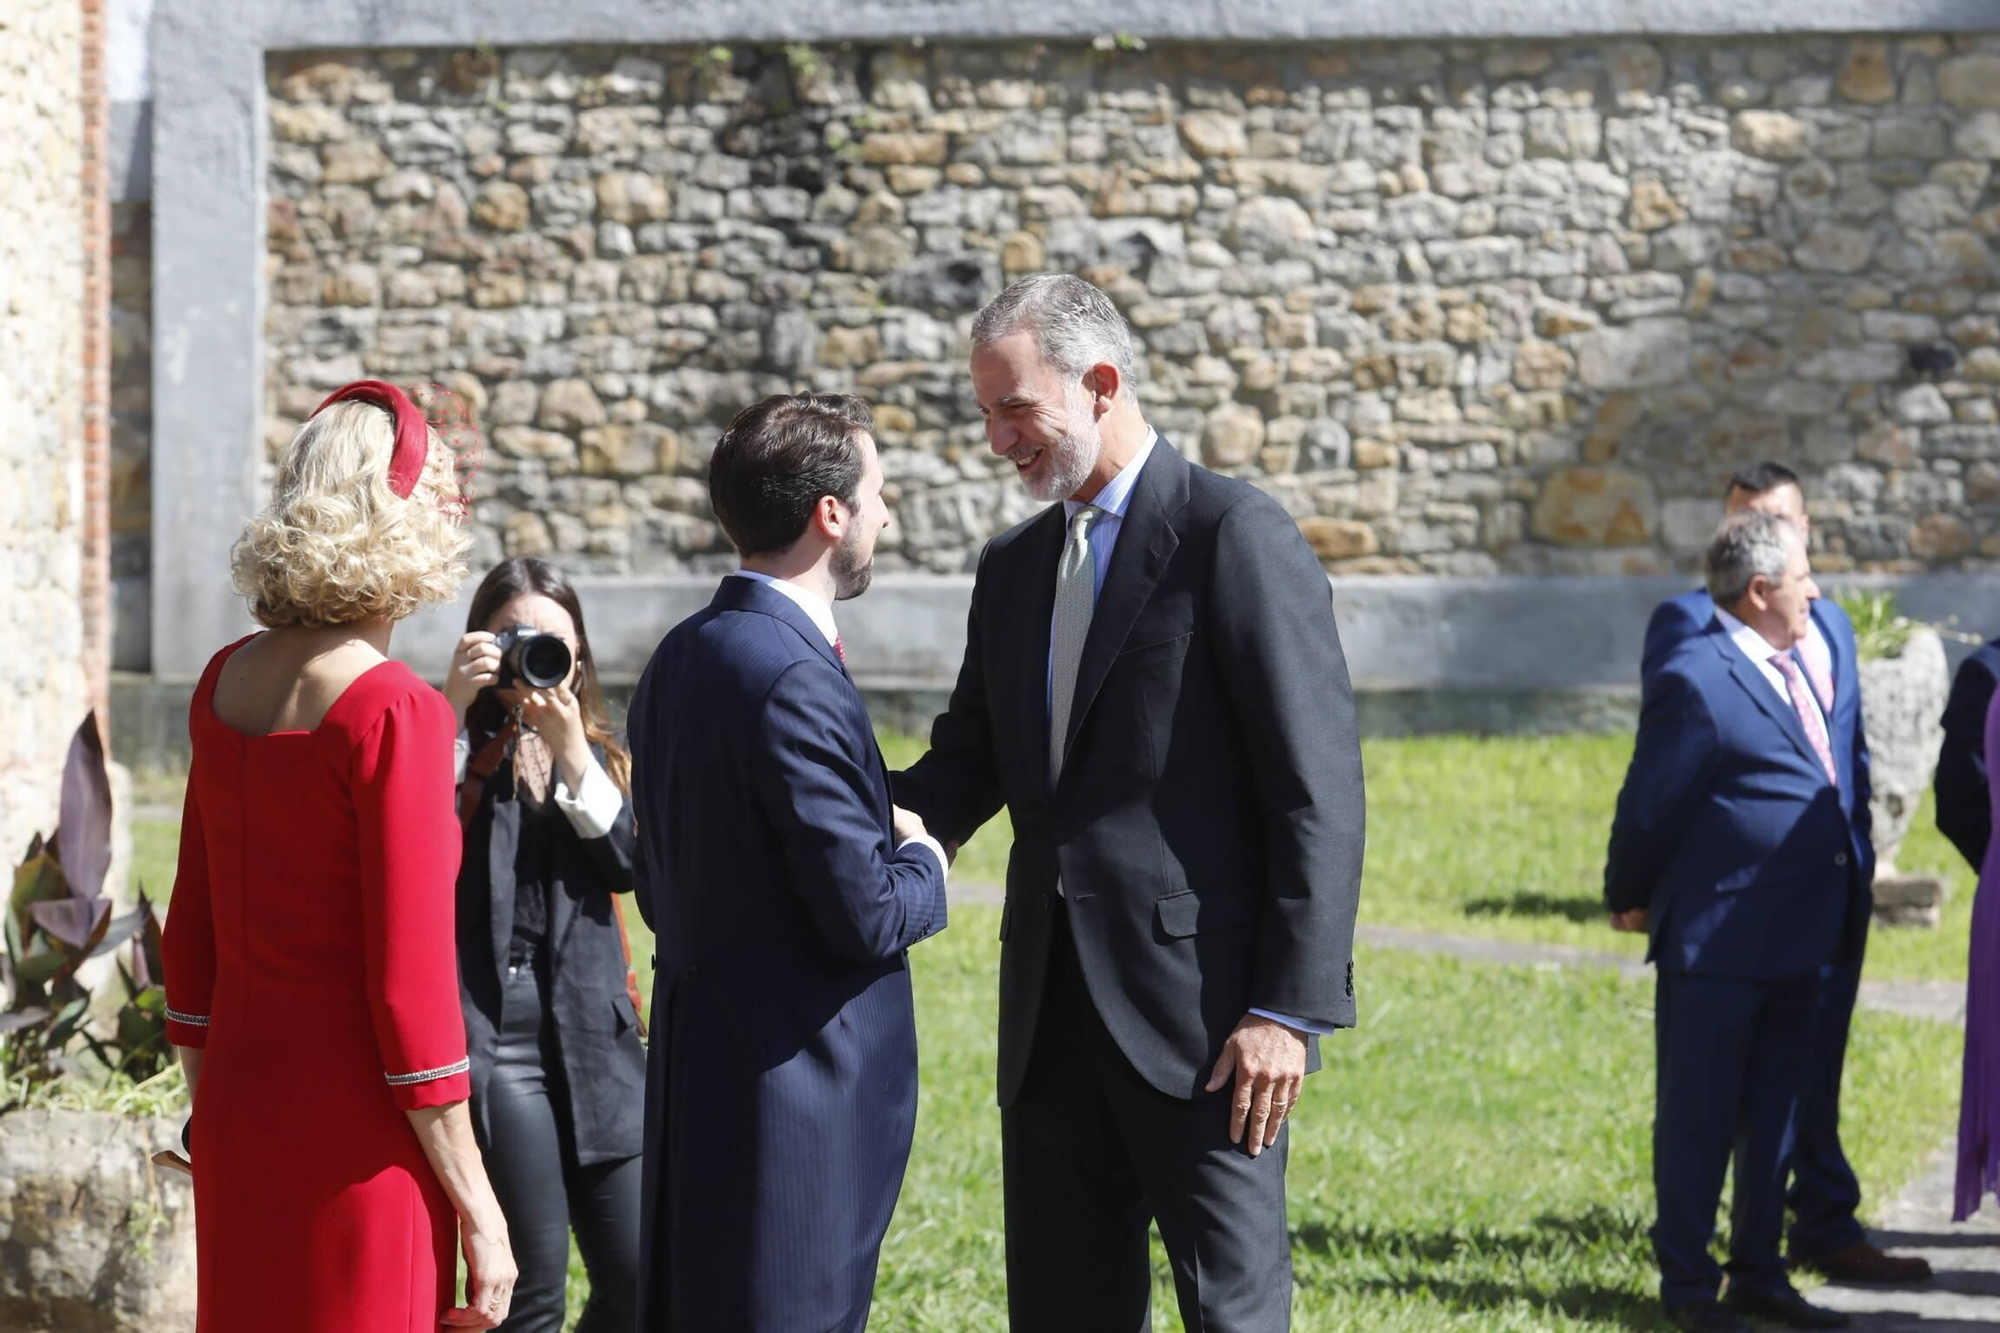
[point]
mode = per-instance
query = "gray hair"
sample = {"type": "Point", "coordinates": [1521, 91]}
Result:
{"type": "Point", "coordinates": [1745, 546]}
{"type": "Point", "coordinates": [1075, 325]}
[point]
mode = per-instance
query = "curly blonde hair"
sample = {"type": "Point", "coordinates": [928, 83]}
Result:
{"type": "Point", "coordinates": [335, 544]}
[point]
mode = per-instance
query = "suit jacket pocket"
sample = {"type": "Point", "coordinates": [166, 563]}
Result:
{"type": "Point", "coordinates": [1159, 649]}
{"type": "Point", "coordinates": [623, 1014]}
{"type": "Point", "coordinates": [1184, 914]}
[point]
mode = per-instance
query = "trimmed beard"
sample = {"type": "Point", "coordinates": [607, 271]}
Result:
{"type": "Point", "coordinates": [1073, 457]}
{"type": "Point", "coordinates": [851, 574]}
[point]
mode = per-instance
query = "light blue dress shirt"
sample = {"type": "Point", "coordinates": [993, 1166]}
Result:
{"type": "Point", "coordinates": [1114, 500]}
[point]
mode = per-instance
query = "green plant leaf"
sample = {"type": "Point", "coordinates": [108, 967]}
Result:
{"type": "Point", "coordinates": [39, 879]}
{"type": "Point", "coordinates": [42, 964]}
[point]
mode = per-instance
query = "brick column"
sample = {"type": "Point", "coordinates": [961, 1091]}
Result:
{"type": "Point", "coordinates": [95, 589]}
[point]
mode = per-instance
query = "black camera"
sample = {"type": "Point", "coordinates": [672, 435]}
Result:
{"type": "Point", "coordinates": [531, 658]}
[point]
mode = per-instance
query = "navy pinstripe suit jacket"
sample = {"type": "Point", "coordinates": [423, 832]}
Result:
{"type": "Point", "coordinates": [782, 1081]}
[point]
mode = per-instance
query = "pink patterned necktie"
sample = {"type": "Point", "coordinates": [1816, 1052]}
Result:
{"type": "Point", "coordinates": [1809, 717]}
{"type": "Point", "coordinates": [1822, 683]}
{"type": "Point", "coordinates": [840, 649]}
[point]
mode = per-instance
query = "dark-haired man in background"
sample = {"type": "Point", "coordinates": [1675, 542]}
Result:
{"type": "Point", "coordinates": [1825, 1194]}
{"type": "Point", "coordinates": [781, 1091]}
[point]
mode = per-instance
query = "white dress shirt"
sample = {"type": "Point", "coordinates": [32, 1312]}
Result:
{"type": "Point", "coordinates": [1760, 652]}
{"type": "Point", "coordinates": [1114, 500]}
{"type": "Point", "coordinates": [820, 611]}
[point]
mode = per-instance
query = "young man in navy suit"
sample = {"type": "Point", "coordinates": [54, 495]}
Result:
{"type": "Point", "coordinates": [785, 890]}
{"type": "Point", "coordinates": [1825, 1195]}
{"type": "Point", "coordinates": [1740, 845]}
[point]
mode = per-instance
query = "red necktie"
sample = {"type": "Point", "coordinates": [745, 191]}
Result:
{"type": "Point", "coordinates": [1809, 717]}
{"type": "Point", "coordinates": [840, 649]}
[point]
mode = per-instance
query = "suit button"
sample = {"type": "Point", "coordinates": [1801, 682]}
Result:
{"type": "Point", "coordinates": [1840, 858]}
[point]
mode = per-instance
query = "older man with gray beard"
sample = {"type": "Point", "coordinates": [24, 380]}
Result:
{"type": "Point", "coordinates": [1153, 686]}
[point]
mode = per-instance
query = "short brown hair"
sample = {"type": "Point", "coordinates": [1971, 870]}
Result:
{"type": "Point", "coordinates": [778, 459]}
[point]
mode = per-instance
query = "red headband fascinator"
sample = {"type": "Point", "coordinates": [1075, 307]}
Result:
{"type": "Point", "coordinates": [413, 436]}
{"type": "Point", "coordinates": [443, 412]}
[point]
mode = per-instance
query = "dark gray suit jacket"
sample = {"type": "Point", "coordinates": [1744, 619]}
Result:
{"type": "Point", "coordinates": [1207, 828]}
{"type": "Point", "coordinates": [602, 1061]}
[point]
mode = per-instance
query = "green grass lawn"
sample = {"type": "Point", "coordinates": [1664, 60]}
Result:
{"type": "Point", "coordinates": [1505, 837]}
{"type": "Point", "coordinates": [1475, 1154]}
{"type": "Point", "coordinates": [1501, 837]}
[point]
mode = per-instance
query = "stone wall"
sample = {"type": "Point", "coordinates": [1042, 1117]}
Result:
{"type": "Point", "coordinates": [1465, 309]}
{"type": "Point", "coordinates": [43, 685]}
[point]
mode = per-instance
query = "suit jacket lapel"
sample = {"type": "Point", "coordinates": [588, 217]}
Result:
{"type": "Point", "coordinates": [1765, 697]}
{"type": "Point", "coordinates": [1146, 541]}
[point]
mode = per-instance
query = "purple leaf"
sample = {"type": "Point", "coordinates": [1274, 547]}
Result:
{"type": "Point", "coordinates": [83, 837]}
{"type": "Point", "coordinates": [23, 1018]}
{"type": "Point", "coordinates": [75, 924]}
{"type": "Point", "coordinates": [122, 928]}
{"type": "Point", "coordinates": [147, 969]}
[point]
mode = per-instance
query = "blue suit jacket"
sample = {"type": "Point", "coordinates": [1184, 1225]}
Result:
{"type": "Point", "coordinates": [782, 1080]}
{"type": "Point", "coordinates": [1752, 866]}
{"type": "Point", "coordinates": [1681, 618]}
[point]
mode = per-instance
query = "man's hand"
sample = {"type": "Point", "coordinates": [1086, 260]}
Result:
{"type": "Point", "coordinates": [906, 824]}
{"type": "Point", "coordinates": [1269, 1061]}
{"type": "Point", "coordinates": [1633, 921]}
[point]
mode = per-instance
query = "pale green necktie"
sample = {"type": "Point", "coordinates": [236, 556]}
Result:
{"type": "Point", "coordinates": [1076, 598]}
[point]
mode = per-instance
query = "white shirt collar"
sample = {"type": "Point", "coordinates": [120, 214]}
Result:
{"type": "Point", "coordinates": [814, 605]}
{"type": "Point", "coordinates": [1116, 497]}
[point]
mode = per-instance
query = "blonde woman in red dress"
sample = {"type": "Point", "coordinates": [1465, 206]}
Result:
{"type": "Point", "coordinates": [311, 971]}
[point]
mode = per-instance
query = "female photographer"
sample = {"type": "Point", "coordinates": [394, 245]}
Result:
{"type": "Point", "coordinates": [552, 1025]}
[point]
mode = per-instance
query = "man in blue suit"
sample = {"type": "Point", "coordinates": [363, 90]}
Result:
{"type": "Point", "coordinates": [785, 889]}
{"type": "Point", "coordinates": [1740, 844]}
{"type": "Point", "coordinates": [1825, 1194]}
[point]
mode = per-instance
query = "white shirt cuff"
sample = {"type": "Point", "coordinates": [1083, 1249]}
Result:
{"type": "Point", "coordinates": [936, 849]}
{"type": "Point", "coordinates": [1296, 1024]}
{"type": "Point", "coordinates": [461, 755]}
{"type": "Point", "coordinates": [593, 810]}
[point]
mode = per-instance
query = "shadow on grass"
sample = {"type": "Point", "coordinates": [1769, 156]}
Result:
{"type": "Point", "coordinates": [1468, 1271]}
{"type": "Point", "coordinates": [1585, 910]}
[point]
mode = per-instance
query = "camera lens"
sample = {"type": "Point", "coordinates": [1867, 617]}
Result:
{"type": "Point", "coordinates": [544, 661]}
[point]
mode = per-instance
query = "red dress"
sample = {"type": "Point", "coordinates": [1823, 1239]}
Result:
{"type": "Point", "coordinates": [309, 948]}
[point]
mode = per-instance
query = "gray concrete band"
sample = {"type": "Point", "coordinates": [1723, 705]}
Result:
{"type": "Point", "coordinates": [1495, 635]}
{"type": "Point", "coordinates": [210, 127]}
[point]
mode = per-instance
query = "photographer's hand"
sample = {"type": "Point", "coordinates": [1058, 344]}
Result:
{"type": "Point", "coordinates": [557, 717]}
{"type": "Point", "coordinates": [474, 665]}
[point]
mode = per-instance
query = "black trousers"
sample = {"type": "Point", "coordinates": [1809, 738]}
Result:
{"type": "Point", "coordinates": [532, 1147]}
{"type": "Point", "coordinates": [1093, 1153]}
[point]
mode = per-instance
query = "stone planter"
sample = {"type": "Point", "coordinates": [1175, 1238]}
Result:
{"type": "Point", "coordinates": [1902, 698]}
{"type": "Point", "coordinates": [93, 1237]}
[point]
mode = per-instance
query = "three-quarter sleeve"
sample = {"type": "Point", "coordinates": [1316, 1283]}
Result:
{"type": "Point", "coordinates": [187, 941]}
{"type": "Point", "coordinates": [410, 846]}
